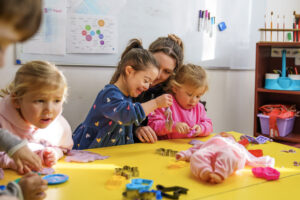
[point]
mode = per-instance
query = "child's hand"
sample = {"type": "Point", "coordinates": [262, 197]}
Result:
{"type": "Point", "coordinates": [49, 157]}
{"type": "Point", "coordinates": [182, 128]}
{"type": "Point", "coordinates": [33, 187]}
{"type": "Point", "coordinates": [146, 134]}
{"type": "Point", "coordinates": [164, 100]}
{"type": "Point", "coordinates": [198, 130]}
{"type": "Point", "coordinates": [26, 160]}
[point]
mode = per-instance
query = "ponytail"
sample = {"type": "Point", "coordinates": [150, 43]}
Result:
{"type": "Point", "coordinates": [135, 56]}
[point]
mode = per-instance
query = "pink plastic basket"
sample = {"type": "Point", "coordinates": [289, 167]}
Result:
{"type": "Point", "coordinates": [285, 126]}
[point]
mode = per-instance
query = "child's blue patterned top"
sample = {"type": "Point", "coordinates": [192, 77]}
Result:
{"type": "Point", "coordinates": [110, 120]}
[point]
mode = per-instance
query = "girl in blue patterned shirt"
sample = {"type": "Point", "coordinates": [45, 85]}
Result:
{"type": "Point", "coordinates": [110, 120]}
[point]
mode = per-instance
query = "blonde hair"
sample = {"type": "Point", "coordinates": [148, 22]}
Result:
{"type": "Point", "coordinates": [35, 76]}
{"type": "Point", "coordinates": [171, 46]}
{"type": "Point", "coordinates": [191, 75]}
{"type": "Point", "coordinates": [135, 56]}
{"type": "Point", "coordinates": [24, 16]}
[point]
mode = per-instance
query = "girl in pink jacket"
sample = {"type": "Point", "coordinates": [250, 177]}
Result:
{"type": "Point", "coordinates": [219, 157]}
{"type": "Point", "coordinates": [31, 108]}
{"type": "Point", "coordinates": [187, 116]}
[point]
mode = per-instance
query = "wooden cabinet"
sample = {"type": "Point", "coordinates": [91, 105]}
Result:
{"type": "Point", "coordinates": [266, 64]}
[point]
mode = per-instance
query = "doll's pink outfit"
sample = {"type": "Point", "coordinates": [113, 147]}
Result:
{"type": "Point", "coordinates": [221, 155]}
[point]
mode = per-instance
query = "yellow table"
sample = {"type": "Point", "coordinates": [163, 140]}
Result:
{"type": "Point", "coordinates": [87, 180]}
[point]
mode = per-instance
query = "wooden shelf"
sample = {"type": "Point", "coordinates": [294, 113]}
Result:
{"type": "Point", "coordinates": [278, 91]}
{"type": "Point", "coordinates": [280, 44]}
{"type": "Point", "coordinates": [278, 29]}
{"type": "Point", "coordinates": [265, 63]}
{"type": "Point", "coordinates": [292, 137]}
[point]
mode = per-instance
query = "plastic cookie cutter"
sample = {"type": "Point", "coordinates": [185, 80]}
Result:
{"type": "Point", "coordinates": [143, 194]}
{"type": "Point", "coordinates": [267, 173]}
{"type": "Point", "coordinates": [169, 119]}
{"type": "Point", "coordinates": [127, 171]}
{"type": "Point", "coordinates": [139, 184]}
{"type": "Point", "coordinates": [166, 152]}
{"type": "Point", "coordinates": [177, 191]}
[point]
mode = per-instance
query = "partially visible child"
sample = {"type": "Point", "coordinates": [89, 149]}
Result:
{"type": "Point", "coordinates": [110, 120]}
{"type": "Point", "coordinates": [219, 157]}
{"type": "Point", "coordinates": [186, 115]}
{"type": "Point", "coordinates": [31, 108]}
{"type": "Point", "coordinates": [19, 20]}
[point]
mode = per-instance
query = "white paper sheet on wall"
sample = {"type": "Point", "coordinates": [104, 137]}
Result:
{"type": "Point", "coordinates": [51, 37]}
{"type": "Point", "coordinates": [92, 34]}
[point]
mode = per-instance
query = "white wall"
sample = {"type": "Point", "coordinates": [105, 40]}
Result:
{"type": "Point", "coordinates": [230, 99]}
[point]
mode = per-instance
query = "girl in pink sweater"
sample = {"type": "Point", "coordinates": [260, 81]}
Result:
{"type": "Point", "coordinates": [187, 116]}
{"type": "Point", "coordinates": [219, 157]}
{"type": "Point", "coordinates": [31, 108]}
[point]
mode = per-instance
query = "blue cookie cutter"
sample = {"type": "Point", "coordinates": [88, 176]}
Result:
{"type": "Point", "coordinates": [54, 179]}
{"type": "Point", "coordinates": [139, 184]}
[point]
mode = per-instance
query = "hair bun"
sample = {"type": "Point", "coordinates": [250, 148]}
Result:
{"type": "Point", "coordinates": [176, 39]}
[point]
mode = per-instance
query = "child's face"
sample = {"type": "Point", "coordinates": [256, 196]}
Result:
{"type": "Point", "coordinates": [40, 108]}
{"type": "Point", "coordinates": [7, 36]}
{"type": "Point", "coordinates": [187, 96]}
{"type": "Point", "coordinates": [139, 81]}
{"type": "Point", "coordinates": [166, 64]}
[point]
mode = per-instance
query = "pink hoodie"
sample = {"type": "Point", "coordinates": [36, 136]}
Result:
{"type": "Point", "coordinates": [221, 155]}
{"type": "Point", "coordinates": [194, 116]}
{"type": "Point", "coordinates": [58, 135]}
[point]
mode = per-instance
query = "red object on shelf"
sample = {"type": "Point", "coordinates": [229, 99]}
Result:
{"type": "Point", "coordinates": [256, 152]}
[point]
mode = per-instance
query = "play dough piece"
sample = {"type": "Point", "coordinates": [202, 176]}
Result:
{"type": "Point", "coordinates": [83, 156]}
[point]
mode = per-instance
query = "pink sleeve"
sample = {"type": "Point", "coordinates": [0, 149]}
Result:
{"type": "Point", "coordinates": [205, 122]}
{"type": "Point", "coordinates": [157, 121]}
{"type": "Point", "coordinates": [6, 162]}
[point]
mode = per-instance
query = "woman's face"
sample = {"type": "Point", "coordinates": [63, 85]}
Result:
{"type": "Point", "coordinates": [166, 64]}
{"type": "Point", "coordinates": [7, 36]}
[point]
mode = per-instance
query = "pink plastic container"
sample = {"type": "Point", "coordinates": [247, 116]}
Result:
{"type": "Point", "coordinates": [285, 126]}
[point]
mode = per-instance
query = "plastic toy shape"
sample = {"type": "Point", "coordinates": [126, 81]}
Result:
{"type": "Point", "coordinates": [166, 152]}
{"type": "Point", "coordinates": [139, 184]}
{"type": "Point", "coordinates": [267, 173]}
{"type": "Point", "coordinates": [169, 119]}
{"type": "Point", "coordinates": [262, 139]}
{"type": "Point", "coordinates": [54, 179]}
{"type": "Point", "coordinates": [256, 152]}
{"type": "Point", "coordinates": [177, 191]}
{"type": "Point", "coordinates": [249, 138]}
{"type": "Point", "coordinates": [115, 182]}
